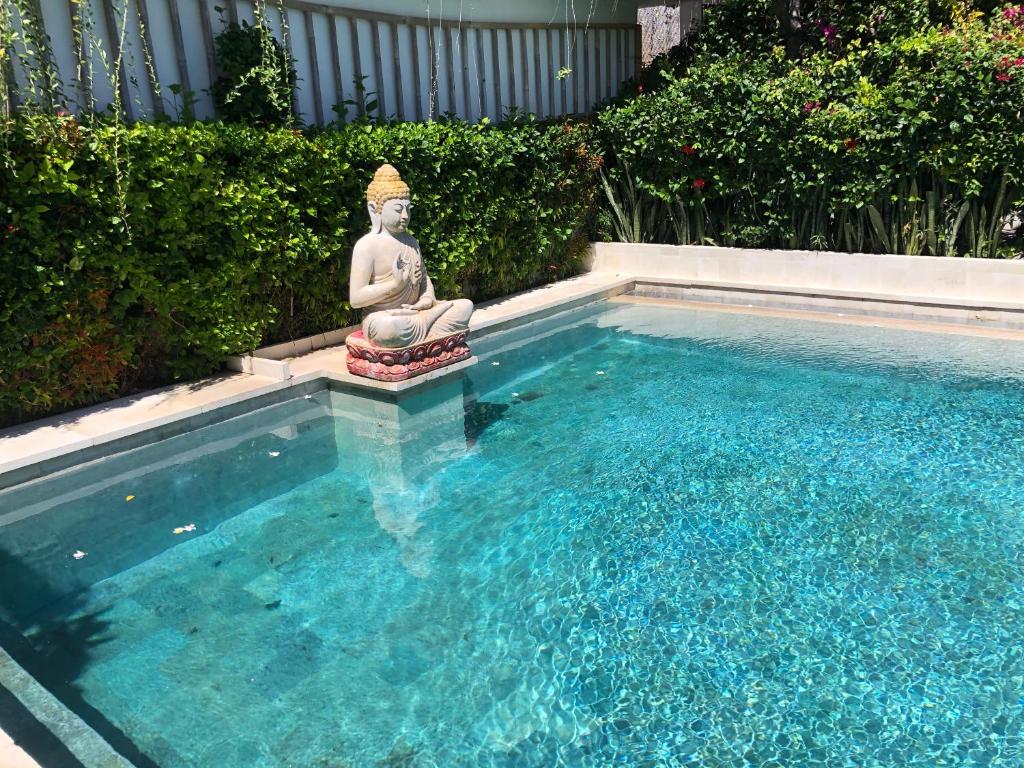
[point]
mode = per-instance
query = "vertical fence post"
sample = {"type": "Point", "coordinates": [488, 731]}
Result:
{"type": "Point", "coordinates": [414, 30]}
{"type": "Point", "coordinates": [496, 73]}
{"type": "Point", "coordinates": [206, 24]}
{"type": "Point", "coordinates": [464, 60]}
{"type": "Point", "coordinates": [396, 56]}
{"type": "Point", "coordinates": [524, 76]}
{"type": "Point", "coordinates": [586, 71]}
{"type": "Point", "coordinates": [382, 109]}
{"type": "Point", "coordinates": [179, 48]}
{"type": "Point", "coordinates": [357, 67]}
{"type": "Point", "coordinates": [81, 66]}
{"type": "Point", "coordinates": [152, 77]}
{"type": "Point", "coordinates": [339, 91]}
{"type": "Point", "coordinates": [116, 53]}
{"type": "Point", "coordinates": [314, 67]}
{"type": "Point", "coordinates": [449, 34]}
{"type": "Point", "coordinates": [481, 77]}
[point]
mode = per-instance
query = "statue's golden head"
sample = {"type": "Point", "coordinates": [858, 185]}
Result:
{"type": "Point", "coordinates": [387, 185]}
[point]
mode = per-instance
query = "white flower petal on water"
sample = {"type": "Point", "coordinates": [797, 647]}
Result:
{"type": "Point", "coordinates": [275, 454]}
{"type": "Point", "coordinates": [79, 554]}
{"type": "Point", "coordinates": [495, 363]}
{"type": "Point", "coordinates": [600, 373]}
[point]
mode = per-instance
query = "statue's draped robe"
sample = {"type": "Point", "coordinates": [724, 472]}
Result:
{"type": "Point", "coordinates": [406, 330]}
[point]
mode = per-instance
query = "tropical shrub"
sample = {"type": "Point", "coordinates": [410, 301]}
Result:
{"type": "Point", "coordinates": [912, 145]}
{"type": "Point", "coordinates": [255, 76]}
{"type": "Point", "coordinates": [140, 255]}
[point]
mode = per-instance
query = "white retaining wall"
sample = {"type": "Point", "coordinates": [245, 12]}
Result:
{"type": "Point", "coordinates": [956, 282]}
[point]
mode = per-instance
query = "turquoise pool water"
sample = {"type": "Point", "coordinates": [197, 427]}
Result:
{"type": "Point", "coordinates": [650, 538]}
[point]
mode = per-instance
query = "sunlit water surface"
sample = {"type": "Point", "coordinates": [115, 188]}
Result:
{"type": "Point", "coordinates": [650, 537]}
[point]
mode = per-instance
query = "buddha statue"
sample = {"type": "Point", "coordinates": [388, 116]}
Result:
{"type": "Point", "coordinates": [388, 280]}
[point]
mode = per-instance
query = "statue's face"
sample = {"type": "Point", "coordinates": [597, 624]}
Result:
{"type": "Point", "coordinates": [395, 215]}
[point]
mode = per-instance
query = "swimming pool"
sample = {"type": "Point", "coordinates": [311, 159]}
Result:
{"type": "Point", "coordinates": [649, 537]}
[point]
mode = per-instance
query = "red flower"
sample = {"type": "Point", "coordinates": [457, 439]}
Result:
{"type": "Point", "coordinates": [688, 150]}
{"type": "Point", "coordinates": [812, 106]}
{"type": "Point", "coordinates": [1004, 77]}
{"type": "Point", "coordinates": [640, 88]}
{"type": "Point", "coordinates": [1019, 61]}
{"type": "Point", "coordinates": [699, 184]}
{"type": "Point", "coordinates": [850, 144]}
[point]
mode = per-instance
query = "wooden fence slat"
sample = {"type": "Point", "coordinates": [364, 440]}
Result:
{"type": "Point", "coordinates": [357, 67]}
{"type": "Point", "coordinates": [339, 92]}
{"type": "Point", "coordinates": [206, 24]}
{"type": "Point", "coordinates": [536, 72]}
{"type": "Point", "coordinates": [433, 75]}
{"type": "Point", "coordinates": [118, 61]}
{"type": "Point", "coordinates": [586, 72]}
{"type": "Point", "coordinates": [509, 70]}
{"type": "Point", "coordinates": [496, 74]}
{"type": "Point", "coordinates": [81, 67]}
{"type": "Point", "coordinates": [450, 55]}
{"type": "Point", "coordinates": [232, 12]}
{"type": "Point", "coordinates": [382, 110]}
{"type": "Point", "coordinates": [149, 56]}
{"type": "Point", "coordinates": [417, 92]}
{"type": "Point", "coordinates": [551, 64]}
{"type": "Point", "coordinates": [525, 74]}
{"type": "Point", "coordinates": [179, 48]}
{"type": "Point", "coordinates": [399, 96]}
{"type": "Point", "coordinates": [10, 83]}
{"type": "Point", "coordinates": [620, 57]}
{"type": "Point", "coordinates": [481, 77]}
{"type": "Point", "coordinates": [577, 74]}
{"type": "Point", "coordinates": [609, 86]}
{"type": "Point", "coordinates": [44, 55]}
{"type": "Point", "coordinates": [314, 67]}
{"type": "Point", "coordinates": [286, 43]}
{"type": "Point", "coordinates": [464, 60]}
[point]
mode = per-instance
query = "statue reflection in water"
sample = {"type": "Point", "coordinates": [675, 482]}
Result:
{"type": "Point", "coordinates": [400, 448]}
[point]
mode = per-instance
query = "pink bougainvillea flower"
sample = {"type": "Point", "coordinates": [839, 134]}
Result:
{"type": "Point", "coordinates": [640, 88]}
{"type": "Point", "coordinates": [812, 106]}
{"type": "Point", "coordinates": [699, 184]}
{"type": "Point", "coordinates": [1004, 77]}
{"type": "Point", "coordinates": [827, 31]}
{"type": "Point", "coordinates": [688, 150]}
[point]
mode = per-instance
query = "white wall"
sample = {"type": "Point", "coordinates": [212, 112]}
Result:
{"type": "Point", "coordinates": [462, 57]}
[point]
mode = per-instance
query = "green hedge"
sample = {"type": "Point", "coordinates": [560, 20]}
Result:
{"type": "Point", "coordinates": [143, 255]}
{"type": "Point", "coordinates": [912, 144]}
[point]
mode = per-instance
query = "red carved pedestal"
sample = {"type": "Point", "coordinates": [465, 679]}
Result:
{"type": "Point", "coordinates": [386, 364]}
